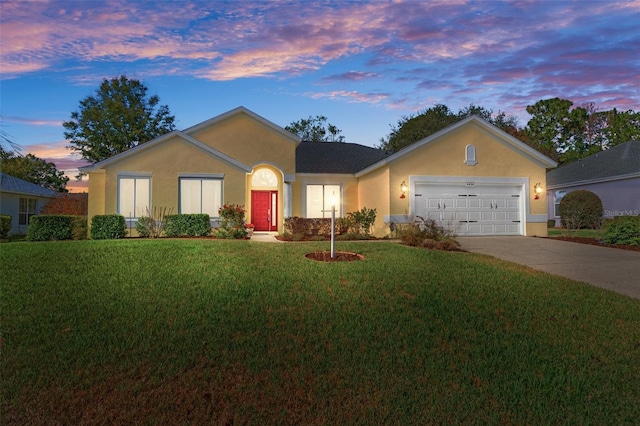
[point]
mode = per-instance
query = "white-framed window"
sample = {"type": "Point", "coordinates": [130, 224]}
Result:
{"type": "Point", "coordinates": [28, 208]}
{"type": "Point", "coordinates": [320, 198]}
{"type": "Point", "coordinates": [470, 155]}
{"type": "Point", "coordinates": [557, 197]}
{"type": "Point", "coordinates": [134, 196]}
{"type": "Point", "coordinates": [200, 195]}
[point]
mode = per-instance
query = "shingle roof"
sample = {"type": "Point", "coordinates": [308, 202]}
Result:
{"type": "Point", "coordinates": [18, 186]}
{"type": "Point", "coordinates": [620, 160]}
{"type": "Point", "coordinates": [335, 157]}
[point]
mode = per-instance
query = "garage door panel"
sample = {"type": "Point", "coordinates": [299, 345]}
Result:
{"type": "Point", "coordinates": [448, 216]}
{"type": "Point", "coordinates": [486, 216]}
{"type": "Point", "coordinates": [462, 215]}
{"type": "Point", "coordinates": [479, 210]}
{"type": "Point", "coordinates": [461, 203]}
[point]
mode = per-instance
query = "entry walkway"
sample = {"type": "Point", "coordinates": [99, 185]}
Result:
{"type": "Point", "coordinates": [267, 237]}
{"type": "Point", "coordinates": [612, 269]}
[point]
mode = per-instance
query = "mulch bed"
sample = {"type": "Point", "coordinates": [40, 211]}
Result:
{"type": "Point", "coordinates": [596, 242]}
{"type": "Point", "coordinates": [339, 256]}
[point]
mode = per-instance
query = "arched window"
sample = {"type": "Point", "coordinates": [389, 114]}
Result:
{"type": "Point", "coordinates": [264, 178]}
{"type": "Point", "coordinates": [470, 155]}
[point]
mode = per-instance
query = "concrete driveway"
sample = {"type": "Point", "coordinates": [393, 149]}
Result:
{"type": "Point", "coordinates": [613, 269]}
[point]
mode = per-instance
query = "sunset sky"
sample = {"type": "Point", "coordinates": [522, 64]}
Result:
{"type": "Point", "coordinates": [362, 64]}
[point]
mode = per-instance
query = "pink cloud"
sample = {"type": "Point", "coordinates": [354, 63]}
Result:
{"type": "Point", "coordinates": [351, 76]}
{"type": "Point", "coordinates": [351, 96]}
{"type": "Point", "coordinates": [33, 122]}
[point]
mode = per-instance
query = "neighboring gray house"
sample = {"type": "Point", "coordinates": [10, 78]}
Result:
{"type": "Point", "coordinates": [21, 200]}
{"type": "Point", "coordinates": [613, 175]}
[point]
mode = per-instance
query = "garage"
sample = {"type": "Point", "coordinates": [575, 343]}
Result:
{"type": "Point", "coordinates": [470, 208]}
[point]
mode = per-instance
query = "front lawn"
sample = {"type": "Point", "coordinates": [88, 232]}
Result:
{"type": "Point", "coordinates": [582, 233]}
{"type": "Point", "coordinates": [239, 332]}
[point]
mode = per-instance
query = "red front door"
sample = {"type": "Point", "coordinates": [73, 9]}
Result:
{"type": "Point", "coordinates": [264, 210]}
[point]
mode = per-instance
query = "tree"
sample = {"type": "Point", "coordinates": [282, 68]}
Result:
{"type": "Point", "coordinates": [315, 129]}
{"type": "Point", "coordinates": [416, 127]}
{"type": "Point", "coordinates": [410, 129]}
{"type": "Point", "coordinates": [119, 117]}
{"type": "Point", "coordinates": [558, 131]}
{"type": "Point", "coordinates": [34, 170]}
{"type": "Point", "coordinates": [567, 134]}
{"type": "Point", "coordinates": [620, 127]}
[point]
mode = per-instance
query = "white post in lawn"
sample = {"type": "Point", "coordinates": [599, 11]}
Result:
{"type": "Point", "coordinates": [333, 225]}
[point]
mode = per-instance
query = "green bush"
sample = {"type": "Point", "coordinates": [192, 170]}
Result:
{"type": "Point", "coordinates": [56, 227]}
{"type": "Point", "coordinates": [623, 230]}
{"type": "Point", "coordinates": [5, 225]}
{"type": "Point", "coordinates": [191, 225]}
{"type": "Point", "coordinates": [144, 226]}
{"type": "Point", "coordinates": [361, 221]}
{"type": "Point", "coordinates": [108, 226]}
{"type": "Point", "coordinates": [79, 227]}
{"type": "Point", "coordinates": [152, 225]}
{"type": "Point", "coordinates": [581, 209]}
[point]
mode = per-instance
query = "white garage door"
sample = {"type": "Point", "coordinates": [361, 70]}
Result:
{"type": "Point", "coordinates": [471, 210]}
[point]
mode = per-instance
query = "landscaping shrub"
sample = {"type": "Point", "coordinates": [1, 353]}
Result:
{"type": "Point", "coordinates": [581, 209]}
{"type": "Point", "coordinates": [187, 225]}
{"type": "Point", "coordinates": [108, 226]}
{"type": "Point", "coordinates": [623, 230]}
{"type": "Point", "coordinates": [152, 225]}
{"type": "Point", "coordinates": [427, 233]}
{"type": "Point", "coordinates": [56, 227]}
{"type": "Point", "coordinates": [5, 225]}
{"type": "Point", "coordinates": [79, 227]}
{"type": "Point", "coordinates": [309, 226]}
{"type": "Point", "coordinates": [144, 225]}
{"type": "Point", "coordinates": [358, 222]}
{"type": "Point", "coordinates": [231, 222]}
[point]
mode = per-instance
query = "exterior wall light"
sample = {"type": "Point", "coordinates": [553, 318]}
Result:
{"type": "Point", "coordinates": [538, 190]}
{"type": "Point", "coordinates": [403, 189]}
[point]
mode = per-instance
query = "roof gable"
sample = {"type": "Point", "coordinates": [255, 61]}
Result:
{"type": "Point", "coordinates": [187, 136]}
{"type": "Point", "coordinates": [158, 141]}
{"type": "Point", "coordinates": [15, 185]}
{"type": "Point", "coordinates": [243, 111]}
{"type": "Point", "coordinates": [619, 162]}
{"type": "Point", "coordinates": [503, 137]}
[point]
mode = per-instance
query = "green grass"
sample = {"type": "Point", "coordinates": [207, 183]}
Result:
{"type": "Point", "coordinates": [220, 332]}
{"type": "Point", "coordinates": [585, 233]}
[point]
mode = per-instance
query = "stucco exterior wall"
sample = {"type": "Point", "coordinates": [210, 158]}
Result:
{"type": "Point", "coordinates": [445, 156]}
{"type": "Point", "coordinates": [165, 164]}
{"type": "Point", "coordinates": [250, 142]}
{"type": "Point", "coordinates": [374, 192]}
